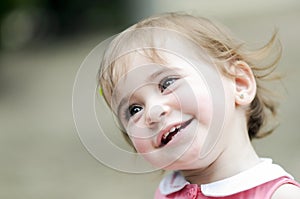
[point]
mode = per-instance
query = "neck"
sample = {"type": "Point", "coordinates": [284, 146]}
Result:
{"type": "Point", "coordinates": [222, 168]}
{"type": "Point", "coordinates": [237, 155]}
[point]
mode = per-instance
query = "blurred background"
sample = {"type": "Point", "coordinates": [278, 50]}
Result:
{"type": "Point", "coordinates": [42, 45]}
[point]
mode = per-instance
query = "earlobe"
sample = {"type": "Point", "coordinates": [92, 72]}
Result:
{"type": "Point", "coordinates": [245, 84]}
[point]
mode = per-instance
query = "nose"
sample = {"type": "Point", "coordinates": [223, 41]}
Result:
{"type": "Point", "coordinates": [156, 113]}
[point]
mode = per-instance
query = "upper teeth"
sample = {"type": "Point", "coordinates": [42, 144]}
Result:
{"type": "Point", "coordinates": [171, 131]}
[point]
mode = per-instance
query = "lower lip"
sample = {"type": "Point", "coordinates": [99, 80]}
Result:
{"type": "Point", "coordinates": [178, 137]}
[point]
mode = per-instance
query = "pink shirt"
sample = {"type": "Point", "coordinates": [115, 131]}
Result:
{"type": "Point", "coordinates": [259, 182]}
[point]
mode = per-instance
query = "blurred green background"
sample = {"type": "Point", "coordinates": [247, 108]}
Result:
{"type": "Point", "coordinates": [43, 43]}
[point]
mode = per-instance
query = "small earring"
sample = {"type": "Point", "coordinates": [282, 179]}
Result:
{"type": "Point", "coordinates": [242, 96]}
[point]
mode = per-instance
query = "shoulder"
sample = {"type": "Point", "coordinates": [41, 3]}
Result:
{"type": "Point", "coordinates": [287, 191]}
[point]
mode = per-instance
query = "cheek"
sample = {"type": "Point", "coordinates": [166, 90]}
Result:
{"type": "Point", "coordinates": [140, 137]}
{"type": "Point", "coordinates": [205, 110]}
{"type": "Point", "coordinates": [196, 101]}
{"type": "Point", "coordinates": [140, 145]}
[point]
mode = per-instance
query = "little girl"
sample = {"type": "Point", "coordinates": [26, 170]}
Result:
{"type": "Point", "coordinates": [189, 99]}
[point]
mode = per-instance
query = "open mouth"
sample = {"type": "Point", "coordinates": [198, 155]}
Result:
{"type": "Point", "coordinates": [168, 135]}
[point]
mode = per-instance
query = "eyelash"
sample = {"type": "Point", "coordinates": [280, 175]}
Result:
{"type": "Point", "coordinates": [162, 86]}
{"type": "Point", "coordinates": [131, 108]}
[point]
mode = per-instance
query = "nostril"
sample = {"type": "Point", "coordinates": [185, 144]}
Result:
{"type": "Point", "coordinates": [163, 113]}
{"type": "Point", "coordinates": [156, 111]}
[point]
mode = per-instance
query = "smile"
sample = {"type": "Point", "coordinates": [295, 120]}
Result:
{"type": "Point", "coordinates": [167, 134]}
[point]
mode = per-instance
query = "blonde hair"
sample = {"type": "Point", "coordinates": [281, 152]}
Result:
{"type": "Point", "coordinates": [220, 46]}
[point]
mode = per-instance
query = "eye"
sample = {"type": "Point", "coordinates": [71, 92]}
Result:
{"type": "Point", "coordinates": [134, 109]}
{"type": "Point", "coordinates": [166, 82]}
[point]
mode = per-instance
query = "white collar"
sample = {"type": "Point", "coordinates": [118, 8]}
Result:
{"type": "Point", "coordinates": [263, 172]}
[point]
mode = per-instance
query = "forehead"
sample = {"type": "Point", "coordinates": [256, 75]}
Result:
{"type": "Point", "coordinates": [154, 58]}
{"type": "Point", "coordinates": [143, 64]}
{"type": "Point", "coordinates": [148, 45]}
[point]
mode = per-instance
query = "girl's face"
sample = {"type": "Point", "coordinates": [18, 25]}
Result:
{"type": "Point", "coordinates": [166, 110]}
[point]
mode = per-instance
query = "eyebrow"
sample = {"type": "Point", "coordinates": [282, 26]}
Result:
{"type": "Point", "coordinates": [150, 78]}
{"type": "Point", "coordinates": [157, 73]}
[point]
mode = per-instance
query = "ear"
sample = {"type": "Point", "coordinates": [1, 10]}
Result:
{"type": "Point", "coordinates": [245, 84]}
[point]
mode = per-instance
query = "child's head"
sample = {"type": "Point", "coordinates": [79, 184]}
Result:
{"type": "Point", "coordinates": [147, 71]}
